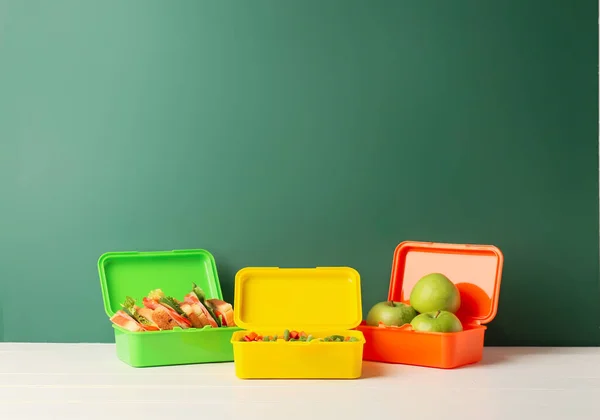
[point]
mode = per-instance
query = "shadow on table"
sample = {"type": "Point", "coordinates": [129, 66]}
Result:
{"type": "Point", "coordinates": [372, 370]}
{"type": "Point", "coordinates": [491, 358]}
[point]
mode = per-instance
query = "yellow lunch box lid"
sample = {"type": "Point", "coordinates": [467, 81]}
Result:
{"type": "Point", "coordinates": [309, 299]}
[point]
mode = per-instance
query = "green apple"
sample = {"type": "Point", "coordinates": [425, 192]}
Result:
{"type": "Point", "coordinates": [390, 314]}
{"type": "Point", "coordinates": [438, 321]}
{"type": "Point", "coordinates": [435, 292]}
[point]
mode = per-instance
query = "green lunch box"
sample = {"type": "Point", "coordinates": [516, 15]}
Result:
{"type": "Point", "coordinates": [135, 274]}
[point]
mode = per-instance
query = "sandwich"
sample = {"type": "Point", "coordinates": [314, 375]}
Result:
{"type": "Point", "coordinates": [166, 312]}
{"type": "Point", "coordinates": [131, 318]}
{"type": "Point", "coordinates": [161, 312]}
{"type": "Point", "coordinates": [195, 305]}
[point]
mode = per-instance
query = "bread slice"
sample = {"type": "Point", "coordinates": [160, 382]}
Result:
{"type": "Point", "coordinates": [224, 309]}
{"type": "Point", "coordinates": [197, 319]}
{"type": "Point", "coordinates": [163, 319]}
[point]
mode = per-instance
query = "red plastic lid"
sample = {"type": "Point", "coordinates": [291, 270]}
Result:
{"type": "Point", "coordinates": [475, 269]}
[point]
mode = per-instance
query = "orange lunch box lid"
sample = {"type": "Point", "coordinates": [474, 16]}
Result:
{"type": "Point", "coordinates": [475, 269]}
{"type": "Point", "coordinates": [309, 299]}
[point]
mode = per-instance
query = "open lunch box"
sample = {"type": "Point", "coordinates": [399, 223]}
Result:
{"type": "Point", "coordinates": [476, 270]}
{"type": "Point", "coordinates": [319, 302]}
{"type": "Point", "coordinates": [135, 274]}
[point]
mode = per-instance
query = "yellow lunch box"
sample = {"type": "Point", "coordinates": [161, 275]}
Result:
{"type": "Point", "coordinates": [320, 302]}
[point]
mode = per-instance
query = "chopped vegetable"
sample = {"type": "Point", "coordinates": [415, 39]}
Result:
{"type": "Point", "coordinates": [294, 336]}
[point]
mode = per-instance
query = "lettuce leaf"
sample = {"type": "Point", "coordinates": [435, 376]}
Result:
{"type": "Point", "coordinates": [129, 308]}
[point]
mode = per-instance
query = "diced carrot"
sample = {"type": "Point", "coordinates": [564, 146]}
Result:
{"type": "Point", "coordinates": [303, 334]}
{"type": "Point", "coordinates": [259, 338]}
{"type": "Point", "coordinates": [246, 338]}
{"type": "Point", "coordinates": [347, 339]}
{"type": "Point", "coordinates": [252, 336]}
{"type": "Point", "coordinates": [294, 334]}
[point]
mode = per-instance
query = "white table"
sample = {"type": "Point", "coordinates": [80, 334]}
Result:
{"type": "Point", "coordinates": [68, 381]}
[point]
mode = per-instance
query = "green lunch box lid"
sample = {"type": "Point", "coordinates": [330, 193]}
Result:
{"type": "Point", "coordinates": [135, 274]}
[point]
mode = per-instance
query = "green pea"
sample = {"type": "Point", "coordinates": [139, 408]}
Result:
{"type": "Point", "coordinates": [286, 335]}
{"type": "Point", "coordinates": [309, 338]}
{"type": "Point", "coordinates": [353, 339]}
{"type": "Point", "coordinates": [275, 338]}
{"type": "Point", "coordinates": [266, 338]}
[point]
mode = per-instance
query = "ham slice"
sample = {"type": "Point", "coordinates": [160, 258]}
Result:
{"type": "Point", "coordinates": [123, 320]}
{"type": "Point", "coordinates": [150, 303]}
{"type": "Point", "coordinates": [191, 298]}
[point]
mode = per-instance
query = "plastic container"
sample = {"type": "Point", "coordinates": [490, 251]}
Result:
{"type": "Point", "coordinates": [475, 269]}
{"type": "Point", "coordinates": [318, 301]}
{"type": "Point", "coordinates": [135, 274]}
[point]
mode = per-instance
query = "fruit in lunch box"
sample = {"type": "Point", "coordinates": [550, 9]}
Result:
{"type": "Point", "coordinates": [390, 313]}
{"type": "Point", "coordinates": [435, 292]}
{"type": "Point", "coordinates": [438, 321]}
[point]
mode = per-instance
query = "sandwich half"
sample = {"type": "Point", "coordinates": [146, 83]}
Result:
{"type": "Point", "coordinates": [130, 318]}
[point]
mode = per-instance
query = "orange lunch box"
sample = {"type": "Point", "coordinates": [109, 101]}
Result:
{"type": "Point", "coordinates": [477, 272]}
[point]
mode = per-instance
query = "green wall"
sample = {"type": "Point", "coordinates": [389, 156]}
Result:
{"type": "Point", "coordinates": [299, 133]}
